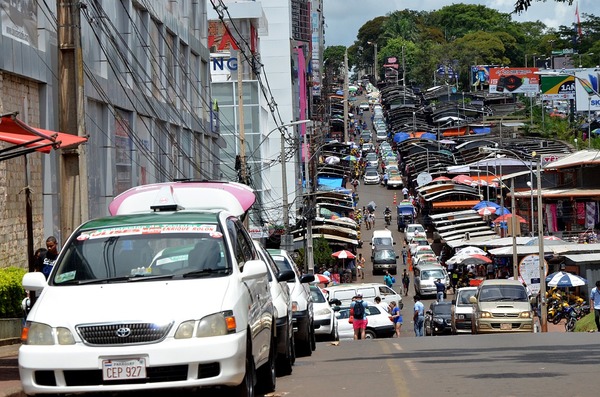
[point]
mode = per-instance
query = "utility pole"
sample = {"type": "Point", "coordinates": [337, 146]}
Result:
{"type": "Point", "coordinates": [404, 78]}
{"type": "Point", "coordinates": [346, 95]}
{"type": "Point", "coordinates": [73, 188]}
{"type": "Point", "coordinates": [241, 131]}
{"type": "Point", "coordinates": [309, 265]}
{"type": "Point", "coordinates": [375, 71]}
{"type": "Point", "coordinates": [542, 262]}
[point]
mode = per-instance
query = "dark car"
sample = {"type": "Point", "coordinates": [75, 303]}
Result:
{"type": "Point", "coordinates": [384, 258]}
{"type": "Point", "coordinates": [438, 319]}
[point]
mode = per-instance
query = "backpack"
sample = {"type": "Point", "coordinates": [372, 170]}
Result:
{"type": "Point", "coordinates": [359, 310]}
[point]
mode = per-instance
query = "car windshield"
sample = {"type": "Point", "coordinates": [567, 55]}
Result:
{"type": "Point", "coordinates": [284, 264]}
{"type": "Point", "coordinates": [137, 252]}
{"type": "Point", "coordinates": [371, 157]}
{"type": "Point", "coordinates": [498, 293]}
{"type": "Point", "coordinates": [433, 274]}
{"type": "Point", "coordinates": [382, 255]}
{"type": "Point", "coordinates": [371, 173]}
{"type": "Point", "coordinates": [464, 297]}
{"type": "Point", "coordinates": [441, 309]}
{"type": "Point", "coordinates": [382, 241]}
{"type": "Point", "coordinates": [317, 295]}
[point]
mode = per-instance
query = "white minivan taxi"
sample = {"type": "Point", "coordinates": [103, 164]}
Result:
{"type": "Point", "coordinates": [169, 292]}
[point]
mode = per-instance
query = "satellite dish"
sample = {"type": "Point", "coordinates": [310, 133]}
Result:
{"type": "Point", "coordinates": [424, 178]}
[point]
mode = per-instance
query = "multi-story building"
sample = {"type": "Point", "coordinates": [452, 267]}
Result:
{"type": "Point", "coordinates": [145, 82]}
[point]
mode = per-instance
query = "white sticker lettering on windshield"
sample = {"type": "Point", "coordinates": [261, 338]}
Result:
{"type": "Point", "coordinates": [148, 229]}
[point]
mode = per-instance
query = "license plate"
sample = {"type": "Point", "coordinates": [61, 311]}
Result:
{"type": "Point", "coordinates": [505, 327]}
{"type": "Point", "coordinates": [133, 368]}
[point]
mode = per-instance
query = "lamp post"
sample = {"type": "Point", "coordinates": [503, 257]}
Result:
{"type": "Point", "coordinates": [427, 152]}
{"type": "Point", "coordinates": [542, 263]}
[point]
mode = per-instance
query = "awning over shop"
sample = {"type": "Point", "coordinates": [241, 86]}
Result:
{"type": "Point", "coordinates": [583, 258]}
{"type": "Point", "coordinates": [561, 193]}
{"type": "Point", "coordinates": [455, 204]}
{"type": "Point", "coordinates": [579, 158]}
{"type": "Point", "coordinates": [27, 139]}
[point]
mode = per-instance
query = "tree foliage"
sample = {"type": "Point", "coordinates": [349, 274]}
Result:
{"type": "Point", "coordinates": [463, 35]}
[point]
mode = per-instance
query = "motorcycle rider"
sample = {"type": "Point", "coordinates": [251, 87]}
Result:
{"type": "Point", "coordinates": [387, 215]}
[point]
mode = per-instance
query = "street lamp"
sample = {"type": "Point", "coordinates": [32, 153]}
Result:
{"type": "Point", "coordinates": [375, 64]}
{"type": "Point", "coordinates": [426, 150]}
{"type": "Point", "coordinates": [541, 260]}
{"type": "Point", "coordinates": [589, 53]}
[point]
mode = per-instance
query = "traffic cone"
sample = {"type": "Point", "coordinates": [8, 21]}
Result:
{"type": "Point", "coordinates": [394, 198]}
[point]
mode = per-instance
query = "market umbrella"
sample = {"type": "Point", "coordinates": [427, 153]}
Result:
{"type": "Point", "coordinates": [352, 88]}
{"type": "Point", "coordinates": [349, 158]}
{"type": "Point", "coordinates": [429, 135]}
{"type": "Point", "coordinates": [343, 254]}
{"type": "Point", "coordinates": [484, 211]}
{"type": "Point", "coordinates": [321, 279]}
{"type": "Point", "coordinates": [470, 250]}
{"type": "Point", "coordinates": [502, 211]}
{"type": "Point", "coordinates": [548, 240]}
{"type": "Point", "coordinates": [463, 179]}
{"type": "Point", "coordinates": [484, 203]}
{"type": "Point", "coordinates": [507, 218]}
{"type": "Point", "coordinates": [447, 142]}
{"type": "Point", "coordinates": [564, 279]}
{"type": "Point", "coordinates": [401, 136]}
{"type": "Point", "coordinates": [440, 179]}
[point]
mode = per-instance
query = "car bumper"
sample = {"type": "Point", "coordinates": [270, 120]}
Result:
{"type": "Point", "coordinates": [323, 326]}
{"type": "Point", "coordinates": [489, 326]}
{"type": "Point", "coordinates": [301, 323]}
{"type": "Point", "coordinates": [371, 181]}
{"type": "Point", "coordinates": [386, 331]}
{"type": "Point", "coordinates": [171, 363]}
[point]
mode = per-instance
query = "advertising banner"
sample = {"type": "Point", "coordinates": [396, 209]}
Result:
{"type": "Point", "coordinates": [514, 80]}
{"type": "Point", "coordinates": [558, 88]}
{"type": "Point", "coordinates": [19, 21]}
{"type": "Point", "coordinates": [586, 90]}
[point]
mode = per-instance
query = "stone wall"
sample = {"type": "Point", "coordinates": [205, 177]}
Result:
{"type": "Point", "coordinates": [20, 95]}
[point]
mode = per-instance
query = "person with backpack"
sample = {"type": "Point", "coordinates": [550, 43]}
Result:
{"type": "Point", "coordinates": [358, 308]}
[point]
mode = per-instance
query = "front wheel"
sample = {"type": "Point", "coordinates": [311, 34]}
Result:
{"type": "Point", "coordinates": [570, 325]}
{"type": "Point", "coordinates": [246, 388]}
{"type": "Point", "coordinates": [370, 334]}
{"type": "Point", "coordinates": [266, 374]}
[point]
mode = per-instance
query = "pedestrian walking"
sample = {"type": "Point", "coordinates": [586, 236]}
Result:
{"type": "Point", "coordinates": [388, 279]}
{"type": "Point", "coordinates": [419, 316]}
{"type": "Point", "coordinates": [396, 318]}
{"type": "Point", "coordinates": [595, 303]}
{"type": "Point", "coordinates": [360, 268]}
{"type": "Point", "coordinates": [440, 290]}
{"type": "Point", "coordinates": [405, 282]}
{"type": "Point", "coordinates": [404, 255]}
{"type": "Point", "coordinates": [51, 255]}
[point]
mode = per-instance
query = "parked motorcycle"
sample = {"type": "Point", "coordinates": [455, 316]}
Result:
{"type": "Point", "coordinates": [575, 313]}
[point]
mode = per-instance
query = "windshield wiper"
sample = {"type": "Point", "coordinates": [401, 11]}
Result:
{"type": "Point", "coordinates": [124, 278]}
{"type": "Point", "coordinates": [204, 272]}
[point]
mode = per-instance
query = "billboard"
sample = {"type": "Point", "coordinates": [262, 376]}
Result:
{"type": "Point", "coordinates": [18, 19]}
{"type": "Point", "coordinates": [558, 87]}
{"type": "Point", "coordinates": [514, 80]}
{"type": "Point", "coordinates": [586, 90]}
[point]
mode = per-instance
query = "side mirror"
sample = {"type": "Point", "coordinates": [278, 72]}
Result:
{"type": "Point", "coordinates": [286, 275]}
{"type": "Point", "coordinates": [336, 308]}
{"type": "Point", "coordinates": [307, 278]}
{"type": "Point", "coordinates": [428, 312]}
{"type": "Point", "coordinates": [335, 301]}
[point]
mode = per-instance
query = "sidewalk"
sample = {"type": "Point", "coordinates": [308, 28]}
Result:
{"type": "Point", "coordinates": [10, 385]}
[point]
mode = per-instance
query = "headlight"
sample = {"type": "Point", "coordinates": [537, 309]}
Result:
{"type": "Point", "coordinates": [323, 312]}
{"type": "Point", "coordinates": [217, 324]}
{"type": "Point", "coordinates": [525, 315]}
{"type": "Point", "coordinates": [485, 315]}
{"type": "Point", "coordinates": [43, 335]}
{"type": "Point", "coordinates": [438, 320]}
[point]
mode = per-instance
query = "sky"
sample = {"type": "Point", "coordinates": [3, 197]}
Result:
{"type": "Point", "coordinates": [343, 18]}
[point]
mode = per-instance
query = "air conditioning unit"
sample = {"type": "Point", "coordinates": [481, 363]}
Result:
{"type": "Point", "coordinates": [467, 236]}
{"type": "Point", "coordinates": [543, 144]}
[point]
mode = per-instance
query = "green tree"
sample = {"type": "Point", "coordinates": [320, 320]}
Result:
{"type": "Point", "coordinates": [523, 5]}
{"type": "Point", "coordinates": [403, 24]}
{"type": "Point", "coordinates": [333, 60]}
{"type": "Point", "coordinates": [458, 20]}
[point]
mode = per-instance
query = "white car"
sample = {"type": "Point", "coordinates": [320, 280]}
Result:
{"type": "Point", "coordinates": [379, 324]}
{"type": "Point", "coordinates": [302, 303]}
{"type": "Point", "coordinates": [282, 303]}
{"type": "Point", "coordinates": [371, 177]}
{"type": "Point", "coordinates": [325, 320]}
{"type": "Point", "coordinates": [381, 135]}
{"type": "Point", "coordinates": [413, 229]}
{"type": "Point", "coordinates": [364, 106]}
{"type": "Point", "coordinates": [110, 318]}
{"type": "Point", "coordinates": [462, 310]}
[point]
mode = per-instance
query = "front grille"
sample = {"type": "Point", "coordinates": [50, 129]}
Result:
{"type": "Point", "coordinates": [123, 333]}
{"type": "Point", "coordinates": [208, 370]}
{"type": "Point", "coordinates": [505, 315]}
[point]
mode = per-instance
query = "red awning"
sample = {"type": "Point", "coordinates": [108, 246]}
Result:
{"type": "Point", "coordinates": [15, 131]}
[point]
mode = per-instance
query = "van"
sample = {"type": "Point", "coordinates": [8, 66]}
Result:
{"type": "Point", "coordinates": [384, 258]}
{"type": "Point", "coordinates": [382, 237]}
{"type": "Point", "coordinates": [168, 293]}
{"type": "Point", "coordinates": [345, 292]}
{"type": "Point", "coordinates": [501, 305]}
{"type": "Point", "coordinates": [425, 276]}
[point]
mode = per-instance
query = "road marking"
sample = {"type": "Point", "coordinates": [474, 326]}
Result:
{"type": "Point", "coordinates": [395, 371]}
{"type": "Point", "coordinates": [412, 369]}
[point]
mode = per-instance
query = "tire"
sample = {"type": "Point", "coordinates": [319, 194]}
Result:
{"type": "Point", "coordinates": [334, 336]}
{"type": "Point", "coordinates": [266, 374]}
{"type": "Point", "coordinates": [556, 320]}
{"type": "Point", "coordinates": [370, 334]}
{"type": "Point", "coordinates": [313, 338]}
{"type": "Point", "coordinates": [247, 387]}
{"type": "Point", "coordinates": [304, 346]}
{"type": "Point", "coordinates": [285, 362]}
{"type": "Point", "coordinates": [570, 325]}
